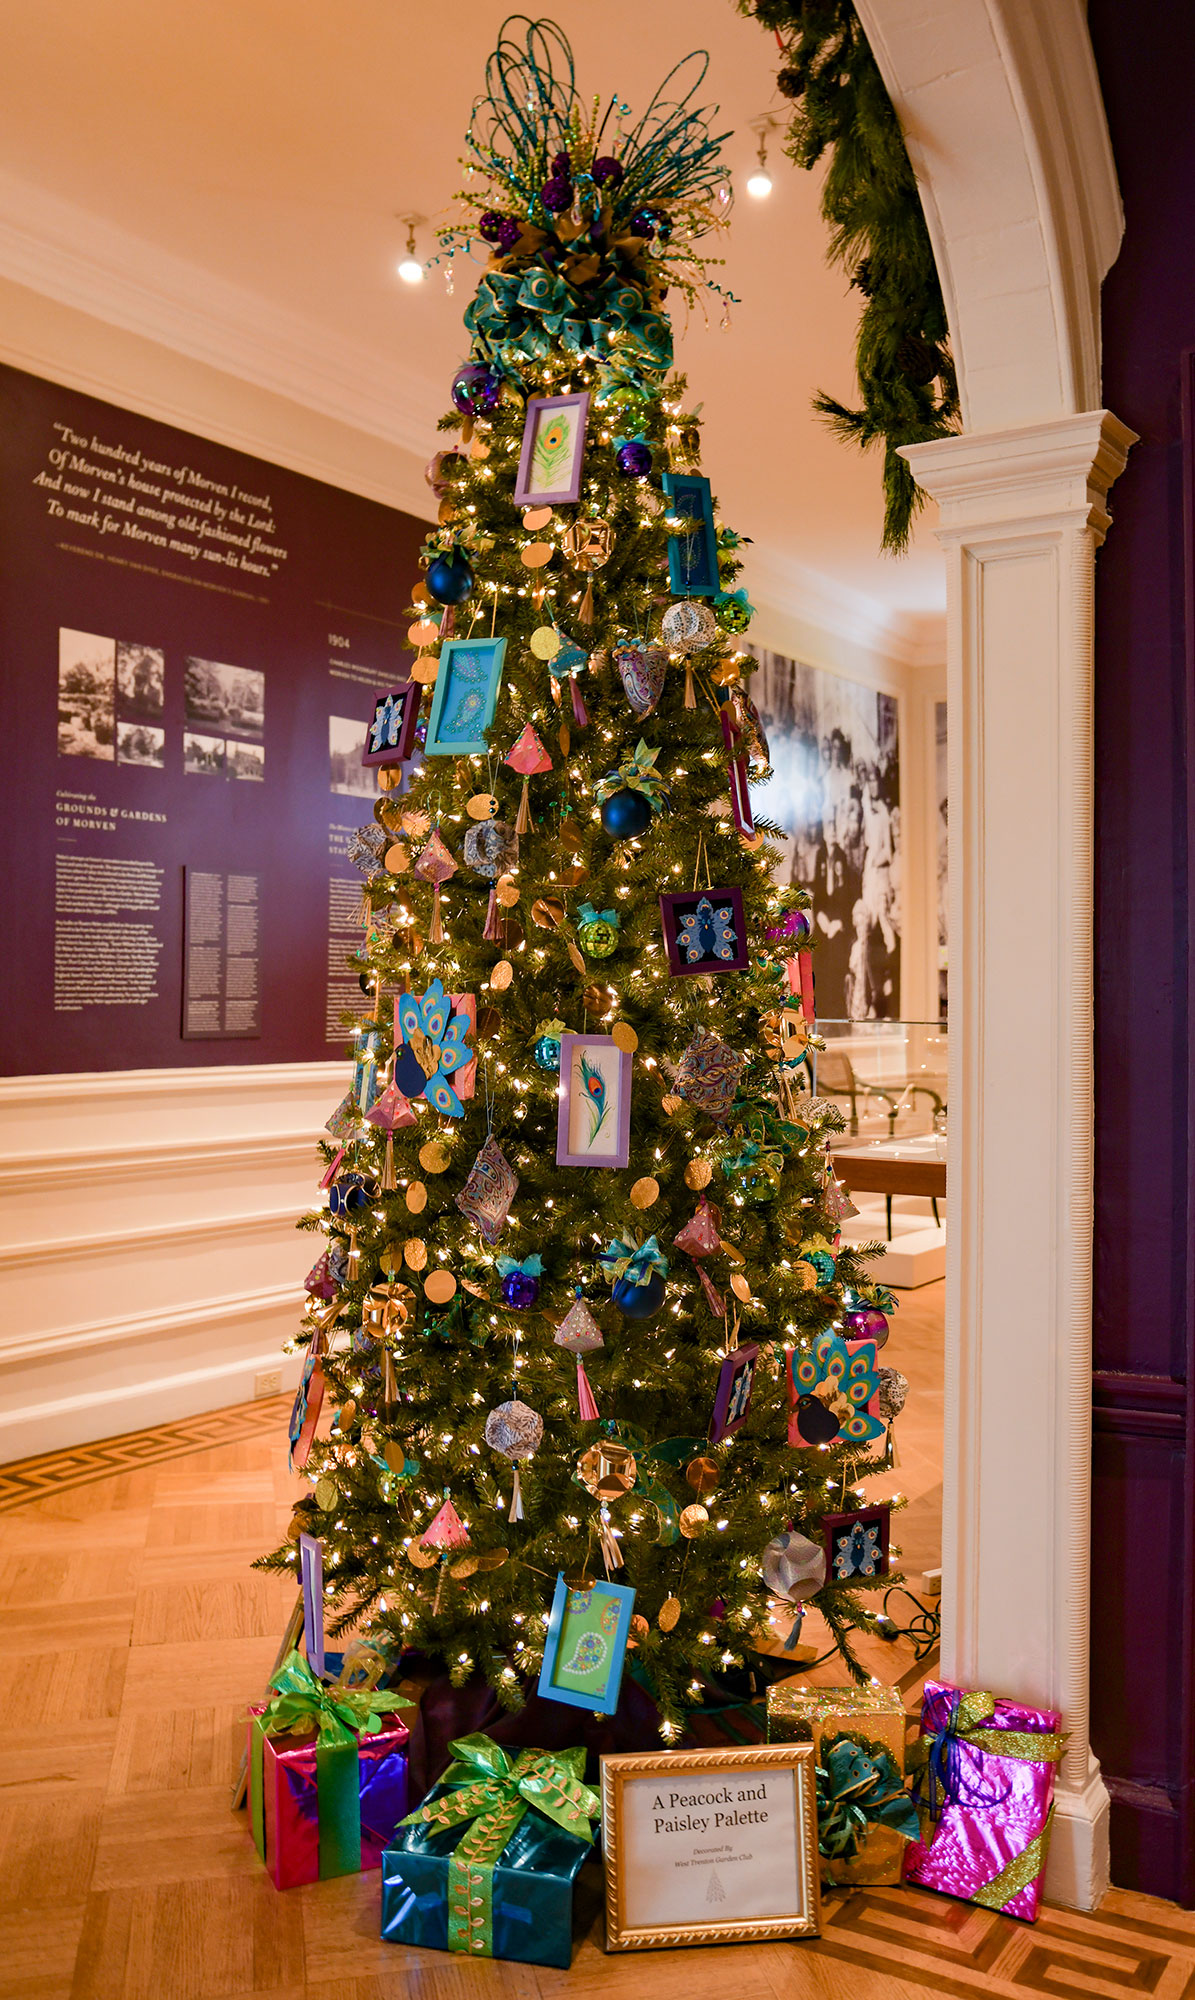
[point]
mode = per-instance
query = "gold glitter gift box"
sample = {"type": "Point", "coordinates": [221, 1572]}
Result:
{"type": "Point", "coordinates": [873, 1720]}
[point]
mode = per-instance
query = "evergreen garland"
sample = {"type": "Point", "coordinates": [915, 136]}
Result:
{"type": "Point", "coordinates": [906, 376]}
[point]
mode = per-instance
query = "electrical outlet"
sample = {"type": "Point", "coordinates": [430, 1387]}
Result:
{"type": "Point", "coordinates": [268, 1382]}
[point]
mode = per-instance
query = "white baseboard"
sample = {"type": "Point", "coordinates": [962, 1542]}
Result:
{"type": "Point", "coordinates": [1077, 1867]}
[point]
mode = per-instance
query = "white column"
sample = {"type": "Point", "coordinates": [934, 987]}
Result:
{"type": "Point", "coordinates": [1023, 512]}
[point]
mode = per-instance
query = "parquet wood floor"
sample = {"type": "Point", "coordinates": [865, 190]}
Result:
{"type": "Point", "coordinates": [136, 1634]}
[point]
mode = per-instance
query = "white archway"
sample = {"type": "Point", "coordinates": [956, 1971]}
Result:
{"type": "Point", "coordinates": [1001, 107]}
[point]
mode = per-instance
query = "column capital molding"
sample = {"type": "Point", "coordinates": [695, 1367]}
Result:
{"type": "Point", "coordinates": [1049, 475]}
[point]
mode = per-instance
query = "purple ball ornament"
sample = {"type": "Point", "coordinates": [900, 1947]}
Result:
{"type": "Point", "coordinates": [608, 172]}
{"type": "Point", "coordinates": [633, 459]}
{"type": "Point", "coordinates": [509, 231]}
{"type": "Point", "coordinates": [866, 1323]}
{"type": "Point", "coordinates": [794, 925]}
{"type": "Point", "coordinates": [643, 223]}
{"type": "Point", "coordinates": [476, 387]}
{"type": "Point", "coordinates": [556, 195]}
{"type": "Point", "coordinates": [490, 226]}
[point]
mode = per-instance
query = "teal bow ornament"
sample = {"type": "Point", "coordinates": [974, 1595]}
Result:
{"type": "Point", "coordinates": [634, 1260]}
{"type": "Point", "coordinates": [589, 915]}
{"type": "Point", "coordinates": [859, 1786]}
{"type": "Point", "coordinates": [724, 597]}
{"type": "Point", "coordinates": [532, 1267]}
{"type": "Point", "coordinates": [636, 774]}
{"type": "Point", "coordinates": [638, 438]}
{"type": "Point", "coordinates": [761, 1166]}
{"type": "Point", "coordinates": [518, 316]}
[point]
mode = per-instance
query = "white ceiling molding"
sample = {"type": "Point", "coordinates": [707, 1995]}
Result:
{"type": "Point", "coordinates": [58, 249]}
{"type": "Point", "coordinates": [781, 583]}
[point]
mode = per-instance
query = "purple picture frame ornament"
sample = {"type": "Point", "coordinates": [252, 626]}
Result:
{"type": "Point", "coordinates": [597, 1065]}
{"type": "Point", "coordinates": [736, 1382]}
{"type": "Point", "coordinates": [550, 471]}
{"type": "Point", "coordinates": [711, 926]}
{"type": "Point", "coordinates": [390, 735]}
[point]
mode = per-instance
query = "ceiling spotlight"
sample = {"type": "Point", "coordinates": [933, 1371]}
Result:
{"type": "Point", "coordinates": [760, 183]}
{"type": "Point", "coordinates": [411, 270]}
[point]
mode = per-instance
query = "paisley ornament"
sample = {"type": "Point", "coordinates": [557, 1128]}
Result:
{"type": "Point", "coordinates": [641, 670]}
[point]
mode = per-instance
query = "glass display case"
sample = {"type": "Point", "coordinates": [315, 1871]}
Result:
{"type": "Point", "coordinates": [888, 1076]}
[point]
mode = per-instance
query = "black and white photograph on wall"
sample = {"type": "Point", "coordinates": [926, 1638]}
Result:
{"type": "Point", "coordinates": [835, 793]}
{"type": "Point", "coordinates": [943, 849]}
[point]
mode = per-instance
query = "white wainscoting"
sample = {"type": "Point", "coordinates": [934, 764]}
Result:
{"type": "Point", "coordinates": [149, 1261]}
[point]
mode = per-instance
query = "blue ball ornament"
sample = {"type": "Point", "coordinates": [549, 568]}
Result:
{"type": "Point", "coordinates": [520, 1290]}
{"type": "Point", "coordinates": [547, 1053]}
{"type": "Point", "coordinates": [639, 1301]}
{"type": "Point", "coordinates": [450, 578]}
{"type": "Point", "coordinates": [633, 459]}
{"type": "Point", "coordinates": [625, 814]}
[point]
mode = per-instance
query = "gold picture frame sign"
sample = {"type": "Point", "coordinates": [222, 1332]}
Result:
{"type": "Point", "coordinates": [710, 1847]}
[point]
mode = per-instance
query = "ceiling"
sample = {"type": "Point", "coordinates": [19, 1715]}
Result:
{"type": "Point", "coordinates": [251, 158]}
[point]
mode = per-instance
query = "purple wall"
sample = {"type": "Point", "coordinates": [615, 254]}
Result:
{"type": "Point", "coordinates": [1143, 1592]}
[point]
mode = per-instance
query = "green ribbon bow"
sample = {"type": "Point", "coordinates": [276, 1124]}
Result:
{"type": "Point", "coordinates": [518, 316]}
{"type": "Point", "coordinates": [302, 1705]}
{"type": "Point", "coordinates": [859, 1785]}
{"type": "Point", "coordinates": [634, 1260]}
{"type": "Point", "coordinates": [485, 1786]}
{"type": "Point", "coordinates": [636, 774]}
{"type": "Point", "coordinates": [761, 1163]}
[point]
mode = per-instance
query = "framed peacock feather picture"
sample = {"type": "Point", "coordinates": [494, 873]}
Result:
{"type": "Point", "coordinates": [594, 1123]}
{"type": "Point", "coordinates": [553, 448]}
{"type": "Point", "coordinates": [704, 931]}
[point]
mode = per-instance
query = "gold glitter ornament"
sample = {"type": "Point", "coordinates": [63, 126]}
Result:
{"type": "Point", "coordinates": [668, 1614]}
{"type": "Point", "coordinates": [502, 975]}
{"type": "Point", "coordinates": [414, 1253]}
{"type": "Point", "coordinates": [416, 1197]}
{"type": "Point", "coordinates": [698, 1175]}
{"type": "Point", "coordinates": [546, 642]}
{"type": "Point", "coordinates": [693, 1519]}
{"type": "Point", "coordinates": [645, 1192]}
{"type": "Point", "coordinates": [433, 1157]}
{"type": "Point", "coordinates": [421, 1557]}
{"type": "Point", "coordinates": [624, 1037]}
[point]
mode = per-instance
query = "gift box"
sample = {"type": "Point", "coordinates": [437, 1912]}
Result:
{"type": "Point", "coordinates": [327, 1776]}
{"type": "Point", "coordinates": [486, 1866]}
{"type": "Point", "coordinates": [865, 1816]}
{"type": "Point", "coordinates": [984, 1773]}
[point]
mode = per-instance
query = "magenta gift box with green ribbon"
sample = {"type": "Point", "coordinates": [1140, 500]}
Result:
{"type": "Point", "coordinates": [486, 1866]}
{"type": "Point", "coordinates": [327, 1776]}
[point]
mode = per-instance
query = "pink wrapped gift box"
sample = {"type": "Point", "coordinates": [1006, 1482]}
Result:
{"type": "Point", "coordinates": [288, 1831]}
{"type": "Point", "coordinates": [989, 1843]}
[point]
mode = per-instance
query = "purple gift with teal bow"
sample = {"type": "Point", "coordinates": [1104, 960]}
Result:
{"type": "Point", "coordinates": [485, 1868]}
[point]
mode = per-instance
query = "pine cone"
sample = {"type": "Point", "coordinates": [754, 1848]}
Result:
{"type": "Point", "coordinates": [918, 359]}
{"type": "Point", "coordinates": [790, 83]}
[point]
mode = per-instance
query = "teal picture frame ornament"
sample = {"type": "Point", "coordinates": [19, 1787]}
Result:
{"type": "Point", "coordinates": [586, 1645]}
{"type": "Point", "coordinates": [692, 556]}
{"type": "Point", "coordinates": [464, 697]}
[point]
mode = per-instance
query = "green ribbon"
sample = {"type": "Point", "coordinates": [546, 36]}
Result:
{"type": "Point", "coordinates": [589, 915]}
{"type": "Point", "coordinates": [859, 1785]}
{"type": "Point", "coordinates": [485, 1786]}
{"type": "Point", "coordinates": [520, 316]}
{"type": "Point", "coordinates": [634, 1260]}
{"type": "Point", "coordinates": [635, 774]}
{"type": "Point", "coordinates": [302, 1705]}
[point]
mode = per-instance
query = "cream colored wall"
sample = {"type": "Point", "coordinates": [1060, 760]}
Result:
{"type": "Point", "coordinates": [149, 1264]}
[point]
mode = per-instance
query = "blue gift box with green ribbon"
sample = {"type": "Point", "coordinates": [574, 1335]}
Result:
{"type": "Point", "coordinates": [486, 1866]}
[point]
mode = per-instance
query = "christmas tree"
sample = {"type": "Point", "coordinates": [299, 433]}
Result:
{"type": "Point", "coordinates": [583, 1311]}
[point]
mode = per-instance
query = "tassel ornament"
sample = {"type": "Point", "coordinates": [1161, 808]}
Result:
{"type": "Point", "coordinates": [608, 1543]}
{"type": "Point", "coordinates": [690, 688]}
{"type": "Point", "coordinates": [352, 1268]}
{"type": "Point", "coordinates": [586, 1406]}
{"type": "Point", "coordinates": [580, 712]}
{"type": "Point", "coordinates": [523, 821]}
{"type": "Point", "coordinates": [516, 1499]}
{"type": "Point", "coordinates": [388, 1183]}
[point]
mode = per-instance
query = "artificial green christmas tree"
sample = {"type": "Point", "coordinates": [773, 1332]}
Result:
{"type": "Point", "coordinates": [533, 1363]}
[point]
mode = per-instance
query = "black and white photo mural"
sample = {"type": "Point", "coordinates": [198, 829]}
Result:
{"type": "Point", "coordinates": [835, 793]}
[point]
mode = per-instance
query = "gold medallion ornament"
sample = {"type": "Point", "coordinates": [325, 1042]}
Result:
{"type": "Point", "coordinates": [493, 1559]}
{"type": "Point", "coordinates": [702, 1474]}
{"type": "Point", "coordinates": [325, 1494]}
{"type": "Point", "coordinates": [645, 1192]}
{"type": "Point", "coordinates": [479, 448]}
{"type": "Point", "coordinates": [564, 739]}
{"type": "Point", "coordinates": [741, 1287]}
{"type": "Point", "coordinates": [347, 1414]}
{"type": "Point", "coordinates": [422, 633]}
{"type": "Point", "coordinates": [693, 1519]}
{"type": "Point", "coordinates": [535, 555]}
{"type": "Point", "coordinates": [608, 1470]}
{"type": "Point", "coordinates": [439, 1287]}
{"type": "Point", "coordinates": [668, 1613]}
{"type": "Point", "coordinates": [536, 518]}
{"type": "Point", "coordinates": [670, 1103]}
{"type": "Point", "coordinates": [483, 805]}
{"type": "Point", "coordinates": [397, 858]}
{"type": "Point", "coordinates": [575, 959]}
{"type": "Point", "coordinates": [394, 1455]}
{"type": "Point", "coordinates": [421, 1557]}
{"type": "Point", "coordinates": [414, 1253]}
{"type": "Point", "coordinates": [624, 1037]}
{"type": "Point", "coordinates": [506, 892]}
{"type": "Point", "coordinates": [416, 1197]}
{"type": "Point", "coordinates": [433, 1157]}
{"type": "Point", "coordinates": [546, 642]}
{"type": "Point", "coordinates": [389, 777]}
{"type": "Point", "coordinates": [502, 975]}
{"type": "Point", "coordinates": [420, 594]}
{"type": "Point", "coordinates": [464, 1566]}
{"type": "Point", "coordinates": [547, 912]}
{"type": "Point", "coordinates": [425, 669]}
{"type": "Point", "coordinates": [639, 1630]}
{"type": "Point", "coordinates": [698, 1175]}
